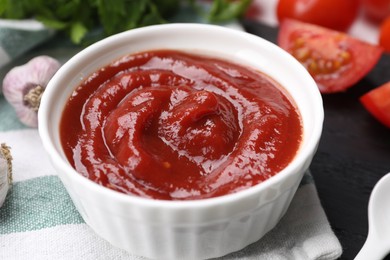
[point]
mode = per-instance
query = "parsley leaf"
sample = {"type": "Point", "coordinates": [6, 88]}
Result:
{"type": "Point", "coordinates": [225, 10]}
{"type": "Point", "coordinates": [77, 18]}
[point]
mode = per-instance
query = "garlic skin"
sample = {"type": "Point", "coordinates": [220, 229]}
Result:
{"type": "Point", "coordinates": [5, 172]}
{"type": "Point", "coordinates": [23, 87]}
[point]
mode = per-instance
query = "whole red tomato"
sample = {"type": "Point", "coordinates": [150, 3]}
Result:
{"type": "Point", "coordinates": [333, 14]}
{"type": "Point", "coordinates": [377, 10]}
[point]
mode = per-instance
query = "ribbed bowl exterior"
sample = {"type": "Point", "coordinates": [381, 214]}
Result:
{"type": "Point", "coordinates": [197, 229]}
{"type": "Point", "coordinates": [134, 230]}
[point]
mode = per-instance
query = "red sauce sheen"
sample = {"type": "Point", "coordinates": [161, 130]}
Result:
{"type": "Point", "coordinates": [177, 126]}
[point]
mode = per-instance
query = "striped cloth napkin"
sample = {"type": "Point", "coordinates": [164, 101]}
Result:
{"type": "Point", "coordinates": [17, 37]}
{"type": "Point", "coordinates": [39, 220]}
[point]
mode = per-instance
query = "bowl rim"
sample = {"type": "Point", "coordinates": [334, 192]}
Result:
{"type": "Point", "coordinates": [44, 126]}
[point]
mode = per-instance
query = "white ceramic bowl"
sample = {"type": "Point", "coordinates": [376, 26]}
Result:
{"type": "Point", "coordinates": [184, 229]}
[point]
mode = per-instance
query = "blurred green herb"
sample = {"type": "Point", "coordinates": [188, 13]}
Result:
{"type": "Point", "coordinates": [225, 10]}
{"type": "Point", "coordinates": [79, 17]}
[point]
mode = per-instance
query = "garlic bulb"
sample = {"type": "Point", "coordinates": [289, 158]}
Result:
{"type": "Point", "coordinates": [23, 87]}
{"type": "Point", "coordinates": [5, 172]}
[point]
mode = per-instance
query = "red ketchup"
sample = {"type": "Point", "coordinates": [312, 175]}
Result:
{"type": "Point", "coordinates": [172, 125]}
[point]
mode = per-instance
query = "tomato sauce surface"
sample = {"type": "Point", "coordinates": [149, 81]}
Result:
{"type": "Point", "coordinates": [172, 125]}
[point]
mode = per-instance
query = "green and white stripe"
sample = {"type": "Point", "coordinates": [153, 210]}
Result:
{"type": "Point", "coordinates": [37, 198]}
{"type": "Point", "coordinates": [17, 37]}
{"type": "Point", "coordinates": [36, 204]}
{"type": "Point", "coordinates": [38, 219]}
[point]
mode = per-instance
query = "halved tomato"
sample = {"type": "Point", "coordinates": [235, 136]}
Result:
{"type": "Point", "coordinates": [335, 60]}
{"type": "Point", "coordinates": [377, 102]}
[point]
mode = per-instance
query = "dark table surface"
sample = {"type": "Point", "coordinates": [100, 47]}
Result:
{"type": "Point", "coordinates": [354, 153]}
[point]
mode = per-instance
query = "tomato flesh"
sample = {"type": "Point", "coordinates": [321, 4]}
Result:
{"type": "Point", "coordinates": [333, 14]}
{"type": "Point", "coordinates": [335, 60]}
{"type": "Point", "coordinates": [377, 102]}
{"type": "Point", "coordinates": [384, 36]}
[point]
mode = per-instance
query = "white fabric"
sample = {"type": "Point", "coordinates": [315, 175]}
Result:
{"type": "Point", "coordinates": [60, 242]}
{"type": "Point", "coordinates": [29, 158]}
{"type": "Point", "coordinates": [28, 24]}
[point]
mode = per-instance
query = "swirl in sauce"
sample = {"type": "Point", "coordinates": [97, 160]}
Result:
{"type": "Point", "coordinates": [171, 125]}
